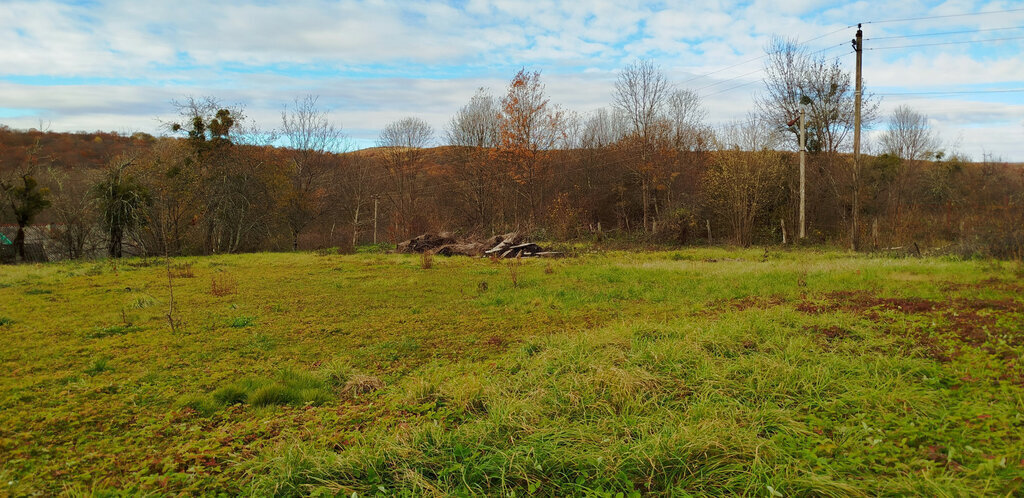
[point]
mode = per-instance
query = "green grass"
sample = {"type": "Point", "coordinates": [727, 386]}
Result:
{"type": "Point", "coordinates": [693, 372]}
{"type": "Point", "coordinates": [112, 330]}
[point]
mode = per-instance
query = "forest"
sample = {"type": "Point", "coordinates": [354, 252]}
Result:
{"type": "Point", "coordinates": [647, 169]}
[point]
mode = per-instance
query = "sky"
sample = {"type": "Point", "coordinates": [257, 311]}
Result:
{"type": "Point", "coordinates": [116, 65]}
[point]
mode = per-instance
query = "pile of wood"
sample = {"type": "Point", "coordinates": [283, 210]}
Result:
{"type": "Point", "coordinates": [509, 245]}
{"type": "Point", "coordinates": [427, 242]}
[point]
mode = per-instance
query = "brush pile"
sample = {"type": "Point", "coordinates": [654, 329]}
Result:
{"type": "Point", "coordinates": [509, 245]}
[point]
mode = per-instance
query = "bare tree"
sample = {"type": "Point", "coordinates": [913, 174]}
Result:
{"type": "Point", "coordinates": [909, 140]}
{"type": "Point", "coordinates": [354, 189]}
{"type": "Point", "coordinates": [476, 123]}
{"type": "Point", "coordinates": [641, 91]}
{"type": "Point", "coordinates": [603, 128]}
{"type": "Point", "coordinates": [686, 114]}
{"type": "Point", "coordinates": [312, 138]}
{"type": "Point", "coordinates": [169, 170]}
{"type": "Point", "coordinates": [909, 136]}
{"type": "Point", "coordinates": [403, 142]}
{"type": "Point", "coordinates": [74, 211]}
{"type": "Point", "coordinates": [794, 76]}
{"type": "Point", "coordinates": [474, 130]}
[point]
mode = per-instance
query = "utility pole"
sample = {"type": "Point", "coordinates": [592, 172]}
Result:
{"type": "Point", "coordinates": [858, 46]}
{"type": "Point", "coordinates": [375, 199]}
{"type": "Point", "coordinates": [803, 177]}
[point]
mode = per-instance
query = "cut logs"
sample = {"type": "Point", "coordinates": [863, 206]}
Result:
{"type": "Point", "coordinates": [509, 245]}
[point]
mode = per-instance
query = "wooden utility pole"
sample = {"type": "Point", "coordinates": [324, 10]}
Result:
{"type": "Point", "coordinates": [375, 199]}
{"type": "Point", "coordinates": [858, 46]}
{"type": "Point", "coordinates": [803, 177]}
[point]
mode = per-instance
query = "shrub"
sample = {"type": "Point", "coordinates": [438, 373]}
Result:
{"type": "Point", "coordinates": [223, 285]}
{"type": "Point", "coordinates": [5, 321]}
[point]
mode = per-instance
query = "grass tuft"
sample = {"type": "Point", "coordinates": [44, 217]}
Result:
{"type": "Point", "coordinates": [113, 330]}
{"type": "Point", "coordinates": [242, 322]}
{"type": "Point", "coordinates": [231, 395]}
{"type": "Point", "coordinates": [98, 365]}
{"type": "Point", "coordinates": [202, 405]}
{"type": "Point", "coordinates": [273, 394]}
{"type": "Point", "coordinates": [359, 385]}
{"type": "Point", "coordinates": [336, 373]}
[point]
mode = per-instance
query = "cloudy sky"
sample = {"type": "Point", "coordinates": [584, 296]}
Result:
{"type": "Point", "coordinates": [116, 65]}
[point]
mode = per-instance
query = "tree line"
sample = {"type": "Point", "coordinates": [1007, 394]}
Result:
{"type": "Point", "coordinates": [648, 168]}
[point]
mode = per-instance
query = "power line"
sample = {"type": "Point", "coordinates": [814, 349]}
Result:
{"type": "Point", "coordinates": [943, 33]}
{"type": "Point", "coordinates": [759, 70]}
{"type": "Point", "coordinates": [962, 42]}
{"type": "Point", "coordinates": [955, 92]}
{"type": "Point", "coordinates": [766, 55]}
{"type": "Point", "coordinates": [944, 16]}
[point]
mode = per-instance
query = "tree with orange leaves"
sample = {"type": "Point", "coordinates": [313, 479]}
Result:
{"type": "Point", "coordinates": [528, 125]}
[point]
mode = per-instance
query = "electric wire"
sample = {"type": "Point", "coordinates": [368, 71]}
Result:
{"type": "Point", "coordinates": [954, 92]}
{"type": "Point", "coordinates": [942, 33]}
{"type": "Point", "coordinates": [763, 56]}
{"type": "Point", "coordinates": [947, 16]}
{"type": "Point", "coordinates": [961, 42]}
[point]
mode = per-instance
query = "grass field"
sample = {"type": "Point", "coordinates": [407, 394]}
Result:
{"type": "Point", "coordinates": [708, 371]}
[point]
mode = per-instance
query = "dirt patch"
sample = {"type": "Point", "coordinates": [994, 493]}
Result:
{"type": "Point", "coordinates": [831, 333]}
{"type": "Point", "coordinates": [991, 283]}
{"type": "Point", "coordinates": [817, 307]}
{"type": "Point", "coordinates": [829, 337]}
{"type": "Point", "coordinates": [946, 328]}
{"type": "Point", "coordinates": [862, 301]}
{"type": "Point", "coordinates": [742, 304]}
{"type": "Point", "coordinates": [495, 341]}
